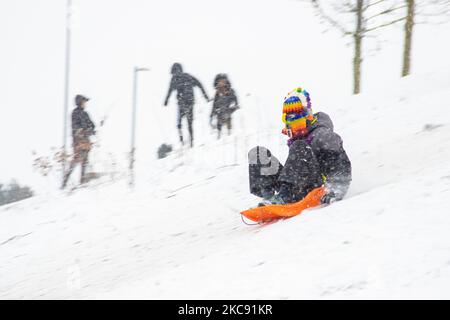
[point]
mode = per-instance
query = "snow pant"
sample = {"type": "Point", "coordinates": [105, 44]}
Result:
{"type": "Point", "coordinates": [223, 120]}
{"type": "Point", "coordinates": [301, 172]}
{"type": "Point", "coordinates": [186, 110]}
{"type": "Point", "coordinates": [81, 151]}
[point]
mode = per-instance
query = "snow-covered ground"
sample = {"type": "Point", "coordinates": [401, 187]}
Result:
{"type": "Point", "coordinates": [178, 234]}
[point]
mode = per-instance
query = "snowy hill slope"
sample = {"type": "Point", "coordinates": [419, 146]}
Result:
{"type": "Point", "coordinates": [179, 234]}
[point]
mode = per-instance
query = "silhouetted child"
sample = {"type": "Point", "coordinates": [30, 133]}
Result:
{"type": "Point", "coordinates": [225, 103]}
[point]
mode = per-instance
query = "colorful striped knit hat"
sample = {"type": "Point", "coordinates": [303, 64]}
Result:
{"type": "Point", "coordinates": [297, 112]}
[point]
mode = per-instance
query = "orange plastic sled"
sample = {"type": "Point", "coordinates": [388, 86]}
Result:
{"type": "Point", "coordinates": [274, 212]}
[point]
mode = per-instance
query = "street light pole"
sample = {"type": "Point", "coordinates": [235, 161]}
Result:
{"type": "Point", "coordinates": [133, 122]}
{"type": "Point", "coordinates": [66, 82]}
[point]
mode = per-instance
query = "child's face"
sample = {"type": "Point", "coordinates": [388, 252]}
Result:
{"type": "Point", "coordinates": [221, 85]}
{"type": "Point", "coordinates": [295, 124]}
{"type": "Point", "coordinates": [289, 131]}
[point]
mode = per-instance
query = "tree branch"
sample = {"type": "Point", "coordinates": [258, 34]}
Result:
{"type": "Point", "coordinates": [386, 12]}
{"type": "Point", "coordinates": [330, 20]}
{"type": "Point", "coordinates": [384, 25]}
{"type": "Point", "coordinates": [373, 4]}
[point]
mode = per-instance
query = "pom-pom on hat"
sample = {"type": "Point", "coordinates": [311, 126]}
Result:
{"type": "Point", "coordinates": [297, 101]}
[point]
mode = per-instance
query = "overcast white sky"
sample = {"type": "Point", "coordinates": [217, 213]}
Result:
{"type": "Point", "coordinates": [266, 46]}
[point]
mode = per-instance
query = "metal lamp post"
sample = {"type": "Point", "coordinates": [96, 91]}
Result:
{"type": "Point", "coordinates": [66, 81]}
{"type": "Point", "coordinates": [133, 122]}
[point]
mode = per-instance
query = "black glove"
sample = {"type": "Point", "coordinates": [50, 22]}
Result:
{"type": "Point", "coordinates": [328, 198]}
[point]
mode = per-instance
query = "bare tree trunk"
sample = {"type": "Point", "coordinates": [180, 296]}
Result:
{"type": "Point", "coordinates": [358, 36]}
{"type": "Point", "coordinates": [408, 38]}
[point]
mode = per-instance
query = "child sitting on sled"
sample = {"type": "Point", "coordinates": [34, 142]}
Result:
{"type": "Point", "coordinates": [316, 158]}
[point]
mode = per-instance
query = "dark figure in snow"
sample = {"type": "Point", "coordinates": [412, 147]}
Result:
{"type": "Point", "coordinates": [316, 158]}
{"type": "Point", "coordinates": [184, 84]}
{"type": "Point", "coordinates": [82, 129]}
{"type": "Point", "coordinates": [225, 103]}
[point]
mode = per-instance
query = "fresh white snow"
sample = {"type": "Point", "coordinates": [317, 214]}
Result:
{"type": "Point", "coordinates": [179, 234]}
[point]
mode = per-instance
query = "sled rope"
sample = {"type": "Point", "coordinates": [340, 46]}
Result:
{"type": "Point", "coordinates": [249, 224]}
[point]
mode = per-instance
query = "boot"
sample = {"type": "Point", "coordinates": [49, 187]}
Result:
{"type": "Point", "coordinates": [284, 196]}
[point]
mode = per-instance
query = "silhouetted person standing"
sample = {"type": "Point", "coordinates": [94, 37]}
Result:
{"type": "Point", "coordinates": [184, 84]}
{"type": "Point", "coordinates": [225, 103]}
{"type": "Point", "coordinates": [82, 129]}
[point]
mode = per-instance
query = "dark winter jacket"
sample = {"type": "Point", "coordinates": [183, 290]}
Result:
{"type": "Point", "coordinates": [82, 126]}
{"type": "Point", "coordinates": [224, 104]}
{"type": "Point", "coordinates": [329, 151]}
{"type": "Point", "coordinates": [184, 84]}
